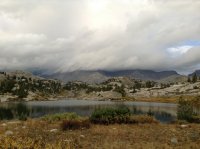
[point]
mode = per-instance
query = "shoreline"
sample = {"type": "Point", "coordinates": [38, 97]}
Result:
{"type": "Point", "coordinates": [122, 99]}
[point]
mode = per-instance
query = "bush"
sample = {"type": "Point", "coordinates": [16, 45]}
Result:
{"type": "Point", "coordinates": [110, 115]}
{"type": "Point", "coordinates": [195, 119]}
{"type": "Point", "coordinates": [60, 117]}
{"type": "Point", "coordinates": [185, 110]}
{"type": "Point", "coordinates": [75, 124]}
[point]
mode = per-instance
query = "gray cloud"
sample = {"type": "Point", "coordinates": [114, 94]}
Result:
{"type": "Point", "coordinates": [65, 35]}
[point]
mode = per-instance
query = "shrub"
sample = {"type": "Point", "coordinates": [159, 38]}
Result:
{"type": "Point", "coordinates": [111, 115]}
{"type": "Point", "coordinates": [75, 124]}
{"type": "Point", "coordinates": [60, 117]}
{"type": "Point", "coordinates": [120, 89]}
{"type": "Point", "coordinates": [185, 110]}
{"type": "Point", "coordinates": [22, 117]}
{"type": "Point", "coordinates": [195, 119]}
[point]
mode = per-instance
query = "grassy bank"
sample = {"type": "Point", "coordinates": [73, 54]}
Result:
{"type": "Point", "coordinates": [38, 133]}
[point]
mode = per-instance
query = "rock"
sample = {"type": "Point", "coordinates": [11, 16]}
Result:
{"type": "Point", "coordinates": [4, 124]}
{"type": "Point", "coordinates": [184, 126]}
{"type": "Point", "coordinates": [67, 140]}
{"type": "Point", "coordinates": [24, 127]}
{"type": "Point", "coordinates": [53, 130]}
{"type": "Point", "coordinates": [82, 136]}
{"type": "Point", "coordinates": [8, 133]}
{"type": "Point", "coordinates": [174, 141]}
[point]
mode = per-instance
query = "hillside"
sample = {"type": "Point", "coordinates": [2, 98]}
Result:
{"type": "Point", "coordinates": [132, 89]}
{"type": "Point", "coordinates": [18, 85]}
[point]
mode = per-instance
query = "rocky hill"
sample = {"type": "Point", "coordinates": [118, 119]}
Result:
{"type": "Point", "coordinates": [126, 87]}
{"type": "Point", "coordinates": [19, 85]}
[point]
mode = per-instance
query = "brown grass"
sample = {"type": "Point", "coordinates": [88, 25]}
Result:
{"type": "Point", "coordinates": [142, 119]}
{"type": "Point", "coordinates": [37, 134]}
{"type": "Point", "coordinates": [75, 124]}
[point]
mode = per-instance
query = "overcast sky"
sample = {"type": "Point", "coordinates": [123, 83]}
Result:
{"type": "Point", "coordinates": [66, 35]}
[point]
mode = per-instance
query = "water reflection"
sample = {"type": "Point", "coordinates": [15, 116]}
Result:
{"type": "Point", "coordinates": [19, 111]}
{"type": "Point", "coordinates": [161, 111]}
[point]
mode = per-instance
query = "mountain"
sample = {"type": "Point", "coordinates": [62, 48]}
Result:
{"type": "Point", "coordinates": [197, 73]}
{"type": "Point", "coordinates": [79, 75]}
{"type": "Point", "coordinates": [141, 74]}
{"type": "Point", "coordinates": [102, 75]}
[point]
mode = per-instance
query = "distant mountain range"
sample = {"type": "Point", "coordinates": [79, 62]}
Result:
{"type": "Point", "coordinates": [102, 75]}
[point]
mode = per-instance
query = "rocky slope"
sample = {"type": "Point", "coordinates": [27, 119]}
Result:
{"type": "Point", "coordinates": [128, 88]}
{"type": "Point", "coordinates": [19, 85]}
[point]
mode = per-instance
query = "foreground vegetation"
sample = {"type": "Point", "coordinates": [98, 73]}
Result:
{"type": "Point", "coordinates": [41, 134]}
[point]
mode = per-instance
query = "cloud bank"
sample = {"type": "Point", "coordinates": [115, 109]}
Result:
{"type": "Point", "coordinates": [66, 35]}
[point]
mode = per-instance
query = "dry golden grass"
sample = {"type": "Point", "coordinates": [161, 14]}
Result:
{"type": "Point", "coordinates": [37, 134]}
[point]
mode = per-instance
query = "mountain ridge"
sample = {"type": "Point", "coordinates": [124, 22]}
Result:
{"type": "Point", "coordinates": [97, 76]}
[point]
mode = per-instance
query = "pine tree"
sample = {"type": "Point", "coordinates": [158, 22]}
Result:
{"type": "Point", "coordinates": [189, 80]}
{"type": "Point", "coordinates": [194, 78]}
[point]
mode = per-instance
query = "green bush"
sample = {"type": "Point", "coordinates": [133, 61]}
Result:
{"type": "Point", "coordinates": [60, 117]}
{"type": "Point", "coordinates": [185, 110]}
{"type": "Point", "coordinates": [110, 115]}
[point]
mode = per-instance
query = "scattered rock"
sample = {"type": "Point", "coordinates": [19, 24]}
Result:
{"type": "Point", "coordinates": [174, 141]}
{"type": "Point", "coordinates": [53, 130]}
{"type": "Point", "coordinates": [8, 133]}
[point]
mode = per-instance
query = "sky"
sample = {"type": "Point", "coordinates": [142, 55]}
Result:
{"type": "Point", "coordinates": [68, 35]}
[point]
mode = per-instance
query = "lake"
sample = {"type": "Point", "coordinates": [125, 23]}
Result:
{"type": "Point", "coordinates": [164, 112]}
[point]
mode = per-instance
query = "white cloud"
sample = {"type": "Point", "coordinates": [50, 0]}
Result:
{"type": "Point", "coordinates": [179, 50]}
{"type": "Point", "coordinates": [108, 34]}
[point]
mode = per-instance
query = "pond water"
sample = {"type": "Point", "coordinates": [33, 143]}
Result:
{"type": "Point", "coordinates": [164, 112]}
